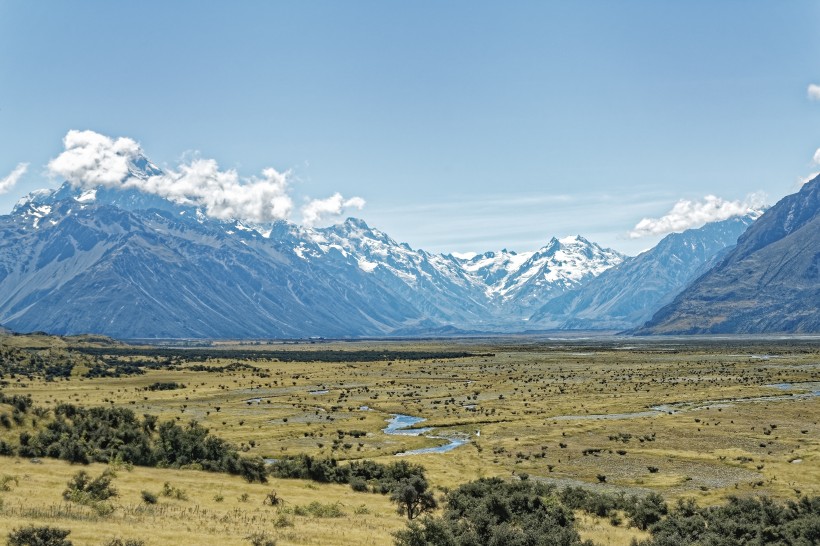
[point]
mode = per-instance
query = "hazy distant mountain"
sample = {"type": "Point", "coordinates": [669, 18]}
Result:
{"type": "Point", "coordinates": [629, 294]}
{"type": "Point", "coordinates": [133, 265]}
{"type": "Point", "coordinates": [769, 283]}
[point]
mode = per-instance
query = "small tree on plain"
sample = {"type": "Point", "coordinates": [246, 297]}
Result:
{"type": "Point", "coordinates": [413, 497]}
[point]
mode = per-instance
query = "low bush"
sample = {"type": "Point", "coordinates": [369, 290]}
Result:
{"type": "Point", "coordinates": [126, 542]}
{"type": "Point", "coordinates": [261, 539]}
{"type": "Point", "coordinates": [83, 490]}
{"type": "Point", "coordinates": [492, 511]}
{"type": "Point", "coordinates": [148, 497]}
{"type": "Point", "coordinates": [39, 536]}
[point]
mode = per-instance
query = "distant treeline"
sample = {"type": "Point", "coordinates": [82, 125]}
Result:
{"type": "Point", "coordinates": [28, 363]}
{"type": "Point", "coordinates": [323, 355]}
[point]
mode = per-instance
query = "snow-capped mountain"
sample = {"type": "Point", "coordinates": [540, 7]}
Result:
{"type": "Point", "coordinates": [628, 295]}
{"type": "Point", "coordinates": [519, 283]}
{"type": "Point", "coordinates": [131, 265]}
{"type": "Point", "coordinates": [77, 267]}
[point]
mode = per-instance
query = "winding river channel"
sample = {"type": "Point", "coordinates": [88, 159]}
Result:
{"type": "Point", "coordinates": [401, 425]}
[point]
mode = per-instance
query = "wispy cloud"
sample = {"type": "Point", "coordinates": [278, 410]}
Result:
{"type": "Point", "coordinates": [687, 214]}
{"type": "Point", "coordinates": [801, 180]}
{"type": "Point", "coordinates": [813, 91]}
{"type": "Point", "coordinates": [91, 159]}
{"type": "Point", "coordinates": [9, 182]}
{"type": "Point", "coordinates": [318, 210]}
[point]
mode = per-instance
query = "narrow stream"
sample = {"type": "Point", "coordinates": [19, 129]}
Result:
{"type": "Point", "coordinates": [399, 425]}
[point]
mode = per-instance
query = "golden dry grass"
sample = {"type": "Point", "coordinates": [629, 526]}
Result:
{"type": "Point", "coordinates": [530, 408]}
{"type": "Point", "coordinates": [37, 500]}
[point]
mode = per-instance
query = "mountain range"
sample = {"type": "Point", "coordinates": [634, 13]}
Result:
{"type": "Point", "coordinates": [134, 265]}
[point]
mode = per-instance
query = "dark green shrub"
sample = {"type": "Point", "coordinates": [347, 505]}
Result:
{"type": "Point", "coordinates": [358, 484]}
{"type": "Point", "coordinates": [6, 448]}
{"type": "Point", "coordinates": [495, 512]}
{"type": "Point", "coordinates": [39, 536]}
{"type": "Point", "coordinates": [148, 497]}
{"type": "Point", "coordinates": [82, 489]}
{"type": "Point", "coordinates": [647, 511]}
{"type": "Point", "coordinates": [740, 521]}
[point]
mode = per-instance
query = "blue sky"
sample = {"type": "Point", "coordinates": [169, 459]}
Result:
{"type": "Point", "coordinates": [465, 126]}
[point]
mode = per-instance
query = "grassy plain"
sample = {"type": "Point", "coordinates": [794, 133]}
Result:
{"type": "Point", "coordinates": [686, 418]}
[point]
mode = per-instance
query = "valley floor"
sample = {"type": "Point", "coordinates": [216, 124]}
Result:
{"type": "Point", "coordinates": [702, 419]}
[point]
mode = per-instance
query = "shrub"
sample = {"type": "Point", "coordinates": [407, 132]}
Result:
{"type": "Point", "coordinates": [148, 497]}
{"type": "Point", "coordinates": [358, 484]}
{"type": "Point", "coordinates": [126, 542]}
{"type": "Point", "coordinates": [492, 511]}
{"type": "Point", "coordinates": [39, 536]}
{"type": "Point", "coordinates": [173, 492]}
{"type": "Point", "coordinates": [104, 434]}
{"type": "Point", "coordinates": [261, 539]}
{"type": "Point", "coordinates": [740, 521]}
{"type": "Point", "coordinates": [319, 510]}
{"type": "Point", "coordinates": [6, 480]}
{"type": "Point", "coordinates": [83, 490]}
{"type": "Point", "coordinates": [6, 448]}
{"type": "Point", "coordinates": [272, 498]}
{"type": "Point", "coordinates": [647, 511]}
{"type": "Point", "coordinates": [282, 520]}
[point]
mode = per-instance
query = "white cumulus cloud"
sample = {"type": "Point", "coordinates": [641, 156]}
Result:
{"type": "Point", "coordinates": [687, 214]}
{"type": "Point", "coordinates": [813, 91]}
{"type": "Point", "coordinates": [221, 194]}
{"type": "Point", "coordinates": [816, 157]}
{"type": "Point", "coordinates": [8, 182]}
{"type": "Point", "coordinates": [91, 159]}
{"type": "Point", "coordinates": [334, 206]}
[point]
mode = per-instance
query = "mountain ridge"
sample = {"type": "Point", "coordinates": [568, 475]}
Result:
{"type": "Point", "coordinates": [769, 283]}
{"type": "Point", "coordinates": [72, 256]}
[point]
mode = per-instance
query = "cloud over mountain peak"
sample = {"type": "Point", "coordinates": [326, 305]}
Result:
{"type": "Point", "coordinates": [90, 159]}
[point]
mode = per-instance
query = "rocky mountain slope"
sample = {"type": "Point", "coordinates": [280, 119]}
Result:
{"type": "Point", "coordinates": [133, 265]}
{"type": "Point", "coordinates": [769, 283]}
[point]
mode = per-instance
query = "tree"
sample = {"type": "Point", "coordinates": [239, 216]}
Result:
{"type": "Point", "coordinates": [413, 497]}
